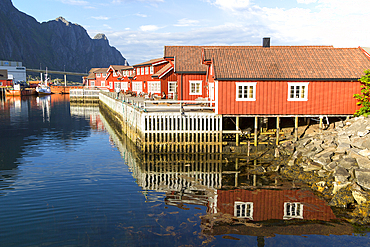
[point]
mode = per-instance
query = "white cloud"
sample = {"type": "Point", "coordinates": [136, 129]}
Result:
{"type": "Point", "coordinates": [100, 17]}
{"type": "Point", "coordinates": [234, 5]}
{"type": "Point", "coordinates": [141, 15]}
{"type": "Point", "coordinates": [149, 28]}
{"type": "Point", "coordinates": [186, 23]}
{"type": "Point", "coordinates": [306, 1]}
{"type": "Point", "coordinates": [149, 1]}
{"type": "Point", "coordinates": [75, 2]}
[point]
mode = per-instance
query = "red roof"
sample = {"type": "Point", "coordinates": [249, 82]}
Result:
{"type": "Point", "coordinates": [286, 62]}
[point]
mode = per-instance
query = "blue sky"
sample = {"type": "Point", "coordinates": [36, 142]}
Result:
{"type": "Point", "coordinates": [140, 29]}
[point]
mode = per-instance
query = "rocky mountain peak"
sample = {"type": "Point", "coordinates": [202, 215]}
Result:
{"type": "Point", "coordinates": [101, 36]}
{"type": "Point", "coordinates": [60, 18]}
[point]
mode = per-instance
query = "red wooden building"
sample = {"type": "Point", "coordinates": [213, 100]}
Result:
{"type": "Point", "coordinates": [285, 80]}
{"type": "Point", "coordinates": [117, 77]}
{"type": "Point", "coordinates": [96, 78]}
{"type": "Point", "coordinates": [151, 77]}
{"type": "Point", "coordinates": [189, 70]}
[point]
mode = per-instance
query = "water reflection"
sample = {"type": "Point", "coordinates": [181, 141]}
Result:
{"type": "Point", "coordinates": [238, 201]}
{"type": "Point", "coordinates": [27, 123]}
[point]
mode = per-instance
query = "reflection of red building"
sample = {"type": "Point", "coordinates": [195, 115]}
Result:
{"type": "Point", "coordinates": [262, 205]}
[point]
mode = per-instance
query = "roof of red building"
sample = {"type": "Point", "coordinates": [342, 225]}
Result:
{"type": "Point", "coordinates": [150, 62]}
{"type": "Point", "coordinates": [120, 67]}
{"type": "Point", "coordinates": [287, 62]}
{"type": "Point", "coordinates": [168, 67]}
{"type": "Point", "coordinates": [187, 58]}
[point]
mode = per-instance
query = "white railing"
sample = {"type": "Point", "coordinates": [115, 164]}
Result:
{"type": "Point", "coordinates": [84, 93]}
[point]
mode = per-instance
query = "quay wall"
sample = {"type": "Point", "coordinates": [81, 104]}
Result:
{"type": "Point", "coordinates": [163, 132]}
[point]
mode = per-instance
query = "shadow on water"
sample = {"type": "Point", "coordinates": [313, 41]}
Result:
{"type": "Point", "coordinates": [243, 195]}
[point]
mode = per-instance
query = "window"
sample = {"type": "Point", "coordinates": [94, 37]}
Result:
{"type": "Point", "coordinates": [92, 83]}
{"type": "Point", "coordinates": [151, 70]}
{"type": "Point", "coordinates": [146, 70]}
{"type": "Point", "coordinates": [103, 83]}
{"type": "Point", "coordinates": [172, 86]}
{"type": "Point", "coordinates": [154, 86]}
{"type": "Point", "coordinates": [138, 71]}
{"type": "Point", "coordinates": [111, 85]}
{"type": "Point", "coordinates": [117, 84]}
{"type": "Point", "coordinates": [114, 74]}
{"type": "Point", "coordinates": [293, 210]}
{"type": "Point", "coordinates": [142, 70]}
{"type": "Point", "coordinates": [98, 75]}
{"type": "Point", "coordinates": [195, 87]}
{"type": "Point", "coordinates": [137, 86]}
{"type": "Point", "coordinates": [104, 75]}
{"type": "Point", "coordinates": [297, 91]}
{"type": "Point", "coordinates": [124, 85]}
{"type": "Point", "coordinates": [243, 210]}
{"type": "Point", "coordinates": [246, 91]}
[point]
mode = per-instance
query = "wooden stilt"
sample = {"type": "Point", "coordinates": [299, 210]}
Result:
{"type": "Point", "coordinates": [255, 130]}
{"type": "Point", "coordinates": [296, 127]}
{"type": "Point", "coordinates": [237, 129]}
{"type": "Point", "coordinates": [277, 130]}
{"type": "Point", "coordinates": [321, 123]}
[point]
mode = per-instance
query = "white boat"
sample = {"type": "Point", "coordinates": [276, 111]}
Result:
{"type": "Point", "coordinates": [43, 88]}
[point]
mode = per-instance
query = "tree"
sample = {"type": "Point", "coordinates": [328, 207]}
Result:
{"type": "Point", "coordinates": [364, 96]}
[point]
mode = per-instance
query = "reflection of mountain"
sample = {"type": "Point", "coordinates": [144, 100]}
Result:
{"type": "Point", "coordinates": [25, 122]}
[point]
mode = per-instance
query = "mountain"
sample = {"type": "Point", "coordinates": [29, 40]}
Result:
{"type": "Point", "coordinates": [53, 44]}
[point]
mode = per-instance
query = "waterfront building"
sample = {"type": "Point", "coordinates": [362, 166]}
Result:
{"type": "Point", "coordinates": [149, 77]}
{"type": "Point", "coordinates": [96, 78]}
{"type": "Point", "coordinates": [117, 78]}
{"type": "Point", "coordinates": [16, 72]}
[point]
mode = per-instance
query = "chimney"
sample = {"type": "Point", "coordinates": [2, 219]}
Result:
{"type": "Point", "coordinates": [266, 42]}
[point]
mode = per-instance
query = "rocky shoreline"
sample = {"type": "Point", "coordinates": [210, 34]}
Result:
{"type": "Point", "coordinates": [336, 164]}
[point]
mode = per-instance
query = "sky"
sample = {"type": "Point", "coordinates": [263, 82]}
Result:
{"type": "Point", "coordinates": [140, 29]}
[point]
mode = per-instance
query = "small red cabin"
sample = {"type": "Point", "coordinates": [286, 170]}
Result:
{"type": "Point", "coordinates": [117, 78]}
{"type": "Point", "coordinates": [96, 78]}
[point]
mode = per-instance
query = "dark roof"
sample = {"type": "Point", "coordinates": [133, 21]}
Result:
{"type": "Point", "coordinates": [287, 62]}
{"type": "Point", "coordinates": [101, 70]}
{"type": "Point", "coordinates": [120, 67]}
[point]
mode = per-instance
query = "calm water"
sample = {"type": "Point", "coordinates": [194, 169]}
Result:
{"type": "Point", "coordinates": [68, 179]}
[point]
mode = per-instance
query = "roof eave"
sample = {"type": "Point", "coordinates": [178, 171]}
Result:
{"type": "Point", "coordinates": [287, 79]}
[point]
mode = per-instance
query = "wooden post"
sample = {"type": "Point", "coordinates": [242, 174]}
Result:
{"type": "Point", "coordinates": [255, 130]}
{"type": "Point", "coordinates": [296, 127]}
{"type": "Point", "coordinates": [320, 123]}
{"type": "Point", "coordinates": [236, 171]}
{"type": "Point", "coordinates": [277, 130]}
{"type": "Point", "coordinates": [237, 129]}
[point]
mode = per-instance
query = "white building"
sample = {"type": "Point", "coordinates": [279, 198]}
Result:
{"type": "Point", "coordinates": [16, 71]}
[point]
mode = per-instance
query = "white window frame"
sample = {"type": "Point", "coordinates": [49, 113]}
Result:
{"type": "Point", "coordinates": [98, 75]}
{"type": "Point", "coordinates": [92, 83]}
{"type": "Point", "coordinates": [147, 70]}
{"type": "Point", "coordinates": [142, 71]}
{"type": "Point", "coordinates": [175, 87]}
{"type": "Point", "coordinates": [195, 83]}
{"type": "Point", "coordinates": [154, 87]}
{"type": "Point", "coordinates": [114, 74]}
{"type": "Point", "coordinates": [248, 85]}
{"type": "Point", "coordinates": [111, 85]}
{"type": "Point", "coordinates": [299, 86]}
{"type": "Point", "coordinates": [241, 210]}
{"type": "Point", "coordinates": [138, 71]}
{"type": "Point", "coordinates": [102, 83]}
{"type": "Point", "coordinates": [104, 75]}
{"type": "Point", "coordinates": [117, 84]}
{"type": "Point", "coordinates": [137, 86]}
{"type": "Point", "coordinates": [293, 210]}
{"type": "Point", "coordinates": [151, 69]}
{"type": "Point", "coordinates": [124, 85]}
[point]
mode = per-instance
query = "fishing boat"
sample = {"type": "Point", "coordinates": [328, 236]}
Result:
{"type": "Point", "coordinates": [43, 88]}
